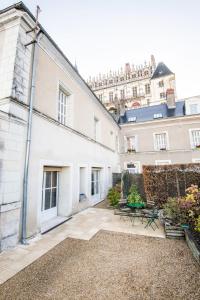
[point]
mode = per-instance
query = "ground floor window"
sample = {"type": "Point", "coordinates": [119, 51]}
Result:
{"type": "Point", "coordinates": [163, 162]}
{"type": "Point", "coordinates": [50, 190]}
{"type": "Point", "coordinates": [95, 181]}
{"type": "Point", "coordinates": [133, 167]}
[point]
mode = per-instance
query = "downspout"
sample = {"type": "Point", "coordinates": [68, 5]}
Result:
{"type": "Point", "coordinates": [29, 131]}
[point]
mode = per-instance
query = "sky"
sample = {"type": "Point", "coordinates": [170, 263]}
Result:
{"type": "Point", "coordinates": [103, 35]}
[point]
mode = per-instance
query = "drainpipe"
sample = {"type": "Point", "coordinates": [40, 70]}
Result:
{"type": "Point", "coordinates": [29, 129]}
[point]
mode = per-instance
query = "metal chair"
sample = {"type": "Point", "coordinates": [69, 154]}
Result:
{"type": "Point", "coordinates": [152, 216]}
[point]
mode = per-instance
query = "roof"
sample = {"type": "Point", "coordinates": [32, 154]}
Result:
{"type": "Point", "coordinates": [21, 6]}
{"type": "Point", "coordinates": [161, 70]}
{"type": "Point", "coordinates": [151, 113]}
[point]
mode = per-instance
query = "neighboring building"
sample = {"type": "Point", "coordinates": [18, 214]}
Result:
{"type": "Point", "coordinates": [159, 134]}
{"type": "Point", "coordinates": [134, 87]}
{"type": "Point", "coordinates": [74, 139]}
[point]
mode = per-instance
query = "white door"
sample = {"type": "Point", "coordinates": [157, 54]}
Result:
{"type": "Point", "coordinates": [49, 195]}
{"type": "Point", "coordinates": [95, 185]}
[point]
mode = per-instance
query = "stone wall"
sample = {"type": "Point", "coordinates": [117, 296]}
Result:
{"type": "Point", "coordinates": [12, 137]}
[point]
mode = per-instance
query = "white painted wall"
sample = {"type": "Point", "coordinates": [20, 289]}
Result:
{"type": "Point", "coordinates": [53, 145]}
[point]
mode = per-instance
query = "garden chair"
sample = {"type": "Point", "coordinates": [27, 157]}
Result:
{"type": "Point", "coordinates": [152, 216]}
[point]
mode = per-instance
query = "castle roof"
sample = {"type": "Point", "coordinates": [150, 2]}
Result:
{"type": "Point", "coordinates": [161, 70]}
{"type": "Point", "coordinates": [154, 112]}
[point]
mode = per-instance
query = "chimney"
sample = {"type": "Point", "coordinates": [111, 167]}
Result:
{"type": "Point", "coordinates": [170, 95]}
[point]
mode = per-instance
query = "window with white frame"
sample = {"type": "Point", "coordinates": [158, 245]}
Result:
{"type": "Point", "coordinates": [161, 83]}
{"type": "Point", "coordinates": [96, 129]}
{"type": "Point", "coordinates": [116, 143]}
{"type": "Point", "coordinates": [131, 119]}
{"type": "Point", "coordinates": [195, 138]}
{"type": "Point", "coordinates": [131, 143]}
{"type": "Point", "coordinates": [82, 183]}
{"type": "Point", "coordinates": [122, 94]}
{"type": "Point", "coordinates": [147, 88]}
{"type": "Point", "coordinates": [157, 116]}
{"type": "Point", "coordinates": [194, 109]}
{"type": "Point", "coordinates": [50, 190]}
{"type": "Point", "coordinates": [163, 162]}
{"type": "Point", "coordinates": [111, 96]}
{"type": "Point", "coordinates": [162, 95]}
{"type": "Point", "coordinates": [133, 167]}
{"type": "Point", "coordinates": [63, 107]}
{"type": "Point", "coordinates": [101, 97]}
{"type": "Point", "coordinates": [196, 160]}
{"type": "Point", "coordinates": [160, 141]}
{"type": "Point", "coordinates": [95, 182]}
{"type": "Point", "coordinates": [135, 92]}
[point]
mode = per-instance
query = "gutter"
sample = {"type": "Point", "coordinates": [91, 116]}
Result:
{"type": "Point", "coordinates": [29, 132]}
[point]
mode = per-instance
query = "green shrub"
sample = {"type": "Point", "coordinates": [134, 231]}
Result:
{"type": "Point", "coordinates": [113, 197]}
{"type": "Point", "coordinates": [134, 196]}
{"type": "Point", "coordinates": [197, 224]}
{"type": "Point", "coordinates": [171, 210]}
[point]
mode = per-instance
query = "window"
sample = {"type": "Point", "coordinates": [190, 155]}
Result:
{"type": "Point", "coordinates": [131, 119]}
{"type": "Point", "coordinates": [50, 190]}
{"type": "Point", "coordinates": [82, 184]}
{"type": "Point", "coordinates": [161, 83]}
{"type": "Point", "coordinates": [162, 95]}
{"type": "Point", "coordinates": [111, 81]}
{"type": "Point", "coordinates": [117, 143]}
{"type": "Point", "coordinates": [146, 73]}
{"type": "Point", "coordinates": [63, 107]}
{"type": "Point", "coordinates": [160, 141]}
{"type": "Point", "coordinates": [122, 94]}
{"type": "Point", "coordinates": [111, 96]}
{"type": "Point", "coordinates": [162, 162]}
{"type": "Point", "coordinates": [157, 116]}
{"type": "Point", "coordinates": [101, 97]}
{"type": "Point", "coordinates": [134, 167]}
{"type": "Point", "coordinates": [131, 144]}
{"type": "Point", "coordinates": [194, 109]}
{"type": "Point", "coordinates": [95, 181]}
{"type": "Point", "coordinates": [112, 139]}
{"type": "Point", "coordinates": [147, 88]}
{"type": "Point", "coordinates": [195, 138]}
{"type": "Point", "coordinates": [134, 92]}
{"type": "Point", "coordinates": [196, 160]}
{"type": "Point", "coordinates": [96, 129]}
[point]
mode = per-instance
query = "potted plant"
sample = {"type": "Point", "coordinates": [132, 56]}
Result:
{"type": "Point", "coordinates": [113, 197]}
{"type": "Point", "coordinates": [134, 199]}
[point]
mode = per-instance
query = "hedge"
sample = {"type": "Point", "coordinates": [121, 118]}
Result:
{"type": "Point", "coordinates": [162, 182]}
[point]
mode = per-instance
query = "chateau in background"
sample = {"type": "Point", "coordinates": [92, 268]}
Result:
{"type": "Point", "coordinates": [134, 86]}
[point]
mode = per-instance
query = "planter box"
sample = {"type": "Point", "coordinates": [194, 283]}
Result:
{"type": "Point", "coordinates": [174, 232]}
{"type": "Point", "coordinates": [192, 245]}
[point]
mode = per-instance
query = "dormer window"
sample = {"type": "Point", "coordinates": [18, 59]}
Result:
{"type": "Point", "coordinates": [157, 116]}
{"type": "Point", "coordinates": [132, 119]}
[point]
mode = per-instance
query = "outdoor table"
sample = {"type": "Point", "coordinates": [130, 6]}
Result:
{"type": "Point", "coordinates": [136, 209]}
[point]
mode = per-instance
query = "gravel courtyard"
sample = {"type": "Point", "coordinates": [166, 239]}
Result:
{"type": "Point", "coordinates": [109, 266]}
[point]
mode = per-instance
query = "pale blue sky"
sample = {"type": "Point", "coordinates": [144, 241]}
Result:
{"type": "Point", "coordinates": [103, 35]}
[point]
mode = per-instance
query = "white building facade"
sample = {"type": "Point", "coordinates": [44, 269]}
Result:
{"type": "Point", "coordinates": [73, 140]}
